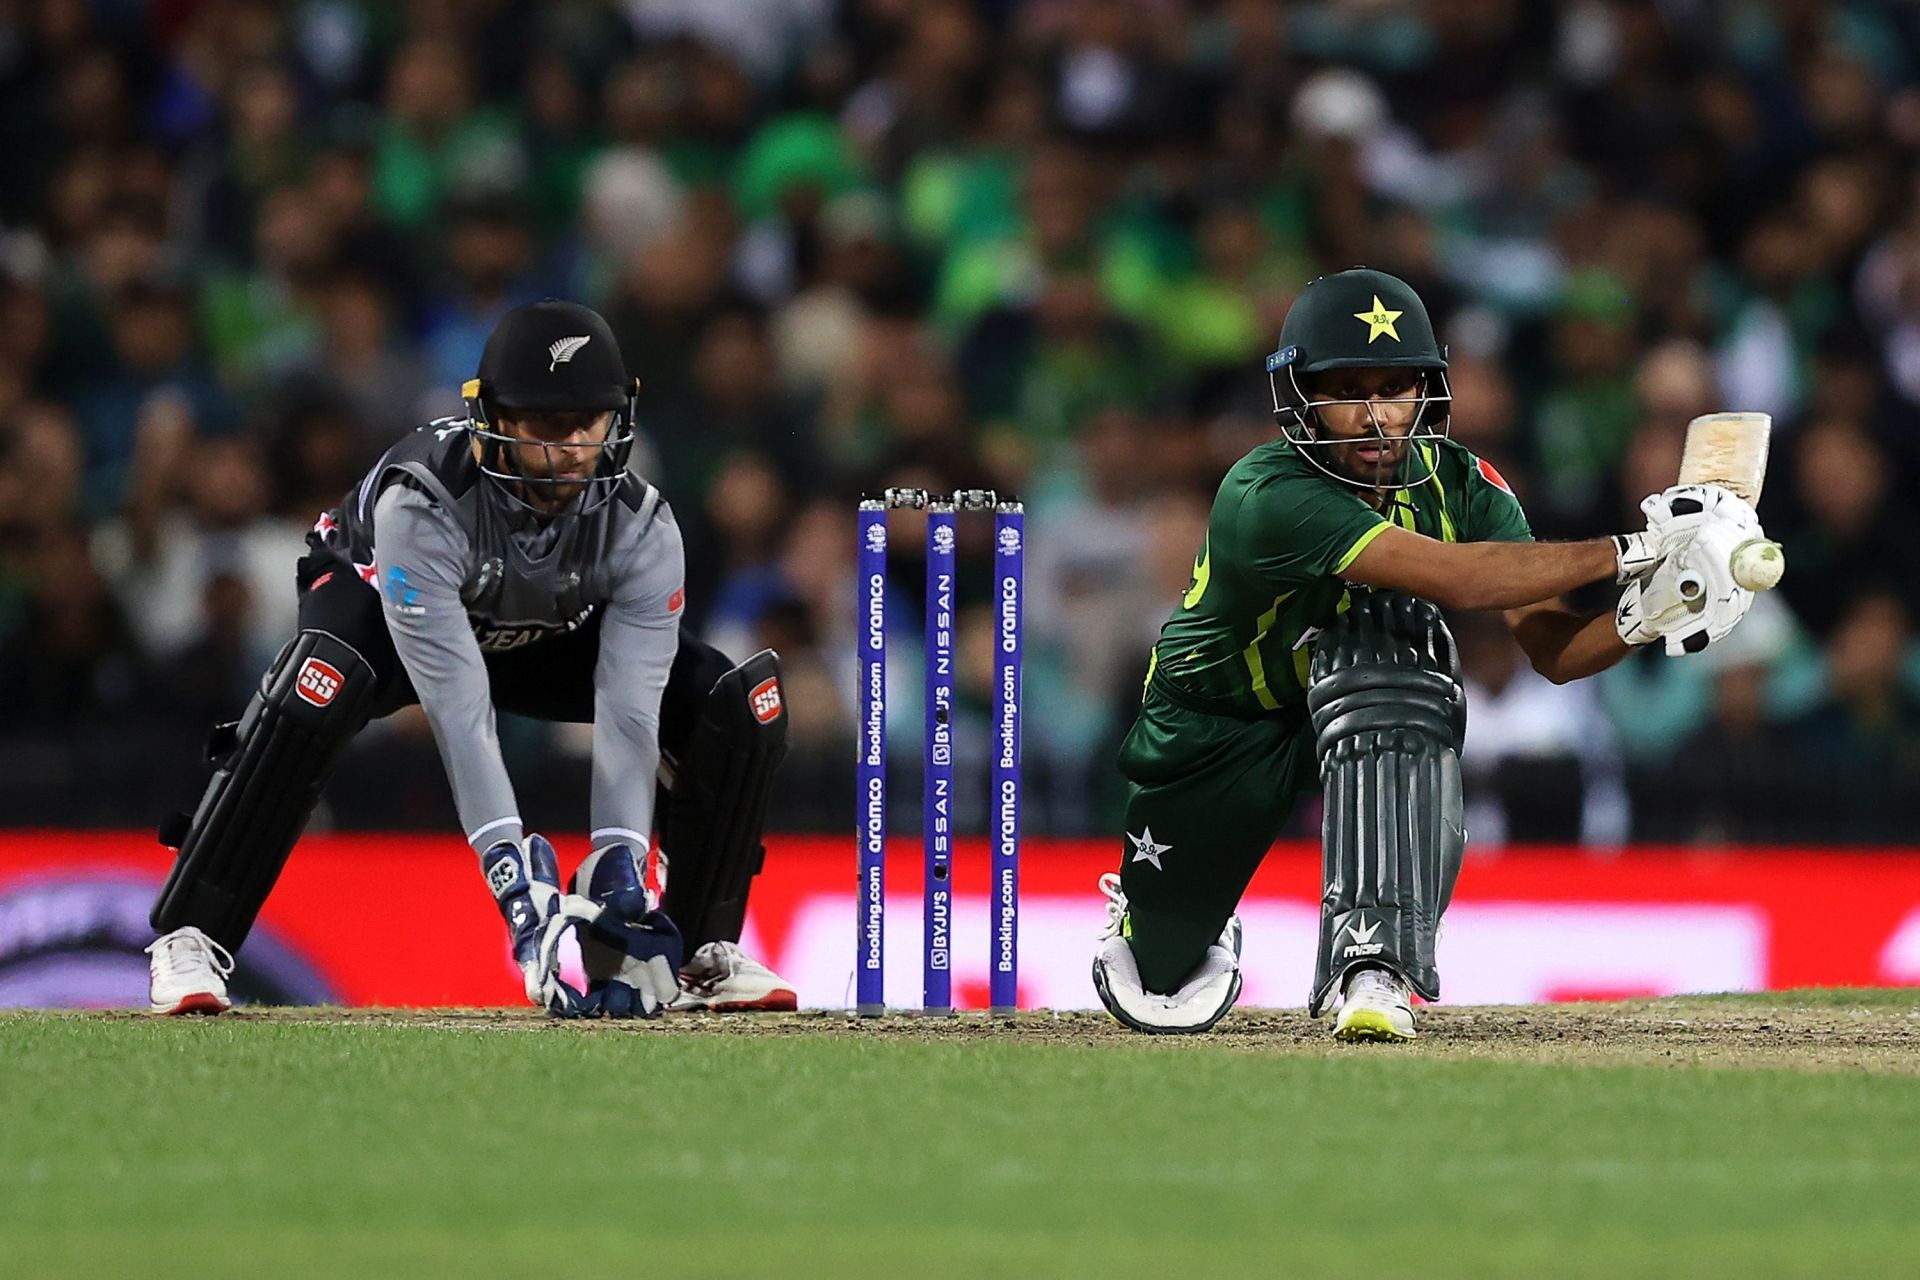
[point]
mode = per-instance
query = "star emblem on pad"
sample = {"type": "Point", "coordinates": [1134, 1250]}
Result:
{"type": "Point", "coordinates": [1145, 850]}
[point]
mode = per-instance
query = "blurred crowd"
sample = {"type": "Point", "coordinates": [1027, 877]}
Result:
{"type": "Point", "coordinates": [1039, 246]}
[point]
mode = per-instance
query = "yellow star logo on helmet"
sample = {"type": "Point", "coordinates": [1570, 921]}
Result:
{"type": "Point", "coordinates": [1379, 321]}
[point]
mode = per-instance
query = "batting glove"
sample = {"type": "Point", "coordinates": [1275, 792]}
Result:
{"type": "Point", "coordinates": [1650, 603]}
{"type": "Point", "coordinates": [1673, 517]}
{"type": "Point", "coordinates": [525, 880]}
{"type": "Point", "coordinates": [1691, 600]}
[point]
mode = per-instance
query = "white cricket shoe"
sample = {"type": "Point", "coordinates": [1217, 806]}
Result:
{"type": "Point", "coordinates": [1209, 991]}
{"type": "Point", "coordinates": [1377, 1004]}
{"type": "Point", "coordinates": [724, 979]}
{"type": "Point", "coordinates": [190, 972]}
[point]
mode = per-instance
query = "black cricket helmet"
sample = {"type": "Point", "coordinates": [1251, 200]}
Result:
{"type": "Point", "coordinates": [1359, 319]}
{"type": "Point", "coordinates": [546, 357]}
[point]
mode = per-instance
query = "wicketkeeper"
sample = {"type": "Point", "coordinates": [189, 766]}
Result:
{"type": "Point", "coordinates": [1308, 652]}
{"type": "Point", "coordinates": [509, 560]}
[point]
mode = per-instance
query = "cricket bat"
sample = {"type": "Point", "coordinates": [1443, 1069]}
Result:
{"type": "Point", "coordinates": [1730, 450]}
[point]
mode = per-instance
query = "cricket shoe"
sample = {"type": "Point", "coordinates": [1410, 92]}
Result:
{"type": "Point", "coordinates": [1202, 1000]}
{"type": "Point", "coordinates": [1375, 1005]}
{"type": "Point", "coordinates": [722, 978]}
{"type": "Point", "coordinates": [190, 972]}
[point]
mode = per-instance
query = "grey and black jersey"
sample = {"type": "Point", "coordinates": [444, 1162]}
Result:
{"type": "Point", "coordinates": [463, 571]}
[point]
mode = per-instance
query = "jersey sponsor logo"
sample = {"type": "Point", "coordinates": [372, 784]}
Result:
{"type": "Point", "coordinates": [765, 700]}
{"type": "Point", "coordinates": [401, 594]}
{"type": "Point", "coordinates": [1493, 477]}
{"type": "Point", "coordinates": [318, 682]}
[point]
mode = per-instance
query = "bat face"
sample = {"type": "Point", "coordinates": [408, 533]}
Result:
{"type": "Point", "coordinates": [1730, 450]}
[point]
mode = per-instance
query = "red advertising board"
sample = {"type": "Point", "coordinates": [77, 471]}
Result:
{"type": "Point", "coordinates": [389, 920]}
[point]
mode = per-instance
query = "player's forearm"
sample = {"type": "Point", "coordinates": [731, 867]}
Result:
{"type": "Point", "coordinates": [1482, 575]}
{"type": "Point", "coordinates": [636, 655]}
{"type": "Point", "coordinates": [1565, 646]}
{"type": "Point", "coordinates": [1507, 575]}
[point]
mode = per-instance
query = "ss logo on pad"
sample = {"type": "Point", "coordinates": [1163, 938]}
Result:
{"type": "Point", "coordinates": [318, 682]}
{"type": "Point", "coordinates": [765, 700]}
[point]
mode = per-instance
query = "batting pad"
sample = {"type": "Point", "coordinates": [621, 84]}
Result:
{"type": "Point", "coordinates": [1388, 714]}
{"type": "Point", "coordinates": [272, 766]}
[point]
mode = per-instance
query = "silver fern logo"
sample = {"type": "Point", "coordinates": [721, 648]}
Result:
{"type": "Point", "coordinates": [565, 349]}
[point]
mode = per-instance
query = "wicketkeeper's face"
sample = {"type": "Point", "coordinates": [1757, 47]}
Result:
{"type": "Point", "coordinates": [563, 447]}
{"type": "Point", "coordinates": [1376, 409]}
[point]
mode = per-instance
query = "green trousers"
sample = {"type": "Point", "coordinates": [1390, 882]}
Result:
{"type": "Point", "coordinates": [1207, 795]}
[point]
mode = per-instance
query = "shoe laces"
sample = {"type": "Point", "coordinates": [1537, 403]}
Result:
{"type": "Point", "coordinates": [1116, 903]}
{"type": "Point", "coordinates": [1377, 986]}
{"type": "Point", "coordinates": [712, 964]}
{"type": "Point", "coordinates": [184, 952]}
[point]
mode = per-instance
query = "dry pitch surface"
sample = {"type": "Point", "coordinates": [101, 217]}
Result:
{"type": "Point", "coordinates": [1812, 1030]}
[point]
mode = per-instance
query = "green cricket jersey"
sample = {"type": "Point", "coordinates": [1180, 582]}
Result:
{"type": "Point", "coordinates": [1280, 535]}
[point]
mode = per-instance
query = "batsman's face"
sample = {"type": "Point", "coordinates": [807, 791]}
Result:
{"type": "Point", "coordinates": [1374, 408]}
{"type": "Point", "coordinates": [562, 447]}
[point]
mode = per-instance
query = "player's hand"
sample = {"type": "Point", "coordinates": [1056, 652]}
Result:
{"type": "Point", "coordinates": [646, 952]}
{"type": "Point", "coordinates": [1673, 517]}
{"type": "Point", "coordinates": [526, 884]}
{"type": "Point", "coordinates": [1651, 603]}
{"type": "Point", "coordinates": [1715, 602]}
{"type": "Point", "coordinates": [1635, 555]}
{"type": "Point", "coordinates": [1691, 599]}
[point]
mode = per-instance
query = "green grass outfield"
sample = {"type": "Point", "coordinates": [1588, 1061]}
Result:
{"type": "Point", "coordinates": [1744, 1136]}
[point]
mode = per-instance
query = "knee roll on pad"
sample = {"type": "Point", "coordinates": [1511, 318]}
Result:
{"type": "Point", "coordinates": [271, 766]}
{"type": "Point", "coordinates": [1389, 715]}
{"type": "Point", "coordinates": [716, 809]}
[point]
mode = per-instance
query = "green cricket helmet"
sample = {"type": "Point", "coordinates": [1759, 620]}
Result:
{"type": "Point", "coordinates": [1358, 319]}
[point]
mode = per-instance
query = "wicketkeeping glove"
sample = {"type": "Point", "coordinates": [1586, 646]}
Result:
{"type": "Point", "coordinates": [526, 884]}
{"type": "Point", "coordinates": [645, 955]}
{"type": "Point", "coordinates": [631, 952]}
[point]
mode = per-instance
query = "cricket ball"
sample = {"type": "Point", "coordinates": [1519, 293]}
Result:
{"type": "Point", "coordinates": [1757, 564]}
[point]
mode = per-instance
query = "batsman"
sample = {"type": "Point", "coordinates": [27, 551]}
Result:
{"type": "Point", "coordinates": [508, 560]}
{"type": "Point", "coordinates": [1309, 651]}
